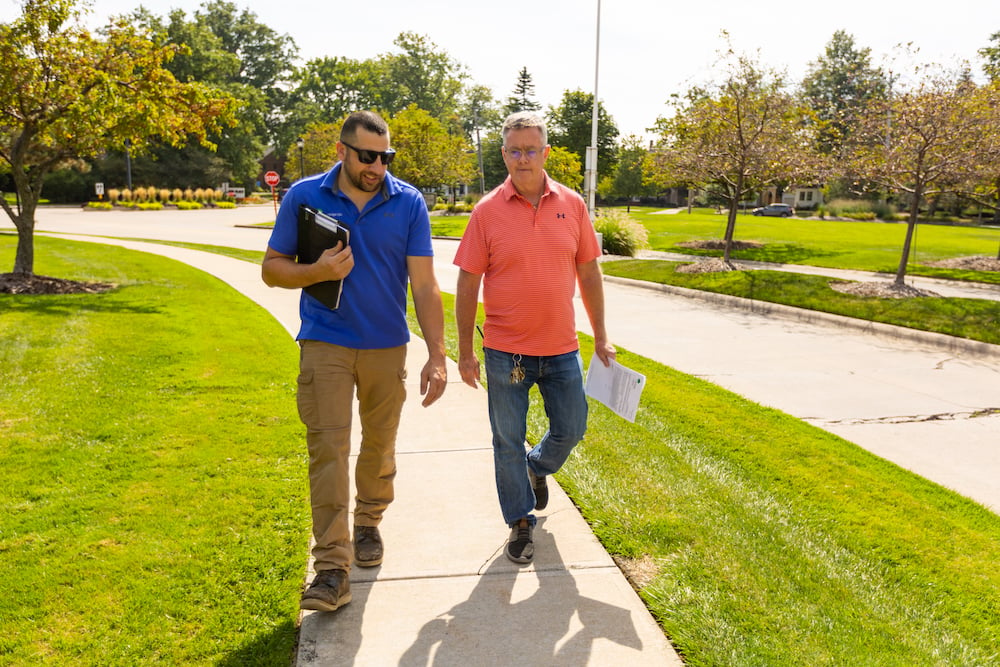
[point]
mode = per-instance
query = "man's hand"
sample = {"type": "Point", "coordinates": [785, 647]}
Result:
{"type": "Point", "coordinates": [433, 380]}
{"type": "Point", "coordinates": [605, 351]}
{"type": "Point", "coordinates": [335, 263]}
{"type": "Point", "coordinates": [468, 367]}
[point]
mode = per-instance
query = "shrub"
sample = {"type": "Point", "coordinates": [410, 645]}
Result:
{"type": "Point", "coordinates": [150, 206]}
{"type": "Point", "coordinates": [199, 194]}
{"type": "Point", "coordinates": [860, 209]}
{"type": "Point", "coordinates": [225, 204]}
{"type": "Point", "coordinates": [114, 194]}
{"type": "Point", "coordinates": [187, 205]}
{"type": "Point", "coordinates": [164, 194]}
{"type": "Point", "coordinates": [100, 205]}
{"type": "Point", "coordinates": [140, 194]}
{"type": "Point", "coordinates": [189, 194]}
{"type": "Point", "coordinates": [622, 234]}
{"type": "Point", "coordinates": [177, 194]}
{"type": "Point", "coordinates": [126, 195]}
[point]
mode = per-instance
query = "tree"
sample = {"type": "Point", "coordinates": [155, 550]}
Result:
{"type": "Point", "coordinates": [426, 154]}
{"type": "Point", "coordinates": [564, 166]}
{"type": "Point", "coordinates": [991, 54]}
{"type": "Point", "coordinates": [838, 87]}
{"type": "Point", "coordinates": [65, 94]}
{"type": "Point", "coordinates": [628, 180]}
{"type": "Point", "coordinates": [570, 126]}
{"type": "Point", "coordinates": [942, 135]}
{"type": "Point", "coordinates": [319, 149]}
{"type": "Point", "coordinates": [205, 57]}
{"type": "Point", "coordinates": [479, 111]}
{"type": "Point", "coordinates": [745, 134]}
{"type": "Point", "coordinates": [329, 88]}
{"type": "Point", "coordinates": [522, 98]}
{"type": "Point", "coordinates": [421, 75]}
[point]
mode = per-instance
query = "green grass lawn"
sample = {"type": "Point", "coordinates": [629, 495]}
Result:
{"type": "Point", "coordinates": [768, 541]}
{"type": "Point", "coordinates": [975, 319]}
{"type": "Point", "coordinates": [865, 246]}
{"type": "Point", "coordinates": [154, 500]}
{"type": "Point", "coordinates": [155, 505]}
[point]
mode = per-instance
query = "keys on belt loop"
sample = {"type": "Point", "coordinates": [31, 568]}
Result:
{"type": "Point", "coordinates": [517, 373]}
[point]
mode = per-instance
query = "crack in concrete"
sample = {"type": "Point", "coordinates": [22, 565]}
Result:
{"type": "Point", "coordinates": [914, 419]}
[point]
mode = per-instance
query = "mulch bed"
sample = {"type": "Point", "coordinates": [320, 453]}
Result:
{"type": "Point", "coordinates": [14, 283]}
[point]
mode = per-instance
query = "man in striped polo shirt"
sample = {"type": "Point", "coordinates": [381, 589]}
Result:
{"type": "Point", "coordinates": [529, 243]}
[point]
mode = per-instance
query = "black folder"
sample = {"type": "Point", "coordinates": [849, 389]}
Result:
{"type": "Point", "coordinates": [319, 232]}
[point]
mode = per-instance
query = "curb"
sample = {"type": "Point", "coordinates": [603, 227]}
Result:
{"type": "Point", "coordinates": [945, 342]}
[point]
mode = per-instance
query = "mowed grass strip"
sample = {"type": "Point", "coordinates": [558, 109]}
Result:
{"type": "Point", "coordinates": [757, 539]}
{"type": "Point", "coordinates": [975, 319]}
{"type": "Point", "coordinates": [154, 500]}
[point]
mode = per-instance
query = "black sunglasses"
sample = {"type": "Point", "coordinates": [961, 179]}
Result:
{"type": "Point", "coordinates": [368, 157]}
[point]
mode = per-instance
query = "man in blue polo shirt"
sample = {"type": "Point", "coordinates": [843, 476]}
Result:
{"type": "Point", "coordinates": [361, 345]}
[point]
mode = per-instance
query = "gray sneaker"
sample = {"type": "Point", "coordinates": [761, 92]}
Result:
{"type": "Point", "coordinates": [330, 590]}
{"type": "Point", "coordinates": [520, 548]}
{"type": "Point", "coordinates": [367, 546]}
{"type": "Point", "coordinates": [541, 489]}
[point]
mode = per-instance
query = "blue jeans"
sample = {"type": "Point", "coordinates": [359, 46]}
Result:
{"type": "Point", "coordinates": [560, 381]}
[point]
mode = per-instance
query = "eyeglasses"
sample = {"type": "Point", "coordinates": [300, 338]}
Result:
{"type": "Point", "coordinates": [368, 157]}
{"type": "Point", "coordinates": [518, 153]}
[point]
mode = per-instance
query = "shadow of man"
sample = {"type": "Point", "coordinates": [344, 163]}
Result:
{"type": "Point", "coordinates": [512, 617]}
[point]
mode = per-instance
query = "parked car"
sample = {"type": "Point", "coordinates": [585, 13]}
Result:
{"type": "Point", "coordinates": [777, 210]}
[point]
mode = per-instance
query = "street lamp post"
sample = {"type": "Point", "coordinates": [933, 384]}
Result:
{"type": "Point", "coordinates": [591, 157]}
{"type": "Point", "coordinates": [128, 163]}
{"type": "Point", "coordinates": [301, 143]}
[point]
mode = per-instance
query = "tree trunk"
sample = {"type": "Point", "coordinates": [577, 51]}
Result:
{"type": "Point", "coordinates": [29, 190]}
{"type": "Point", "coordinates": [24, 221]}
{"type": "Point", "coordinates": [911, 226]}
{"type": "Point", "coordinates": [730, 227]}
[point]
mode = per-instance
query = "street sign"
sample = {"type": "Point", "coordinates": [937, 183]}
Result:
{"type": "Point", "coordinates": [272, 178]}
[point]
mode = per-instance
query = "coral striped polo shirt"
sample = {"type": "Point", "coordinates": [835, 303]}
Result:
{"type": "Point", "coordinates": [528, 260]}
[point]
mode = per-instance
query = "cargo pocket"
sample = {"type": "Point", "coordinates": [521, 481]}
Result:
{"type": "Point", "coordinates": [306, 398]}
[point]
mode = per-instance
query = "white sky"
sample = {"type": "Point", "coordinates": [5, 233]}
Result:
{"type": "Point", "coordinates": [649, 49]}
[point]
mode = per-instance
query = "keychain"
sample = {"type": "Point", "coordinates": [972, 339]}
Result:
{"type": "Point", "coordinates": [517, 373]}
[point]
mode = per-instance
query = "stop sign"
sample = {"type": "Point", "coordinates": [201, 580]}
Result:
{"type": "Point", "coordinates": [272, 178]}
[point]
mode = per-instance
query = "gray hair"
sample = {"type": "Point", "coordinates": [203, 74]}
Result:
{"type": "Point", "coordinates": [521, 120]}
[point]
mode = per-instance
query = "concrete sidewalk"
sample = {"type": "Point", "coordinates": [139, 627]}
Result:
{"type": "Point", "coordinates": [445, 593]}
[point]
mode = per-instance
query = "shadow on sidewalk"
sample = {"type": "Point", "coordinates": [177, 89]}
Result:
{"type": "Point", "coordinates": [527, 617]}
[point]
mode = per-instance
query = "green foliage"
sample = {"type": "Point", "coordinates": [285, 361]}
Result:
{"type": "Point", "coordinates": [523, 96]}
{"type": "Point", "coordinates": [859, 209]}
{"type": "Point", "coordinates": [838, 86]}
{"type": "Point", "coordinates": [100, 205]}
{"type": "Point", "coordinates": [570, 126]}
{"type": "Point", "coordinates": [565, 167]}
{"type": "Point", "coordinates": [65, 94]}
{"type": "Point", "coordinates": [621, 234]}
{"type": "Point", "coordinates": [427, 154]}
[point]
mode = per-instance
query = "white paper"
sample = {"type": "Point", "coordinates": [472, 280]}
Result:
{"type": "Point", "coordinates": [615, 386]}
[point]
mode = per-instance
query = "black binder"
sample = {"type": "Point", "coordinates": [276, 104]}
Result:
{"type": "Point", "coordinates": [319, 232]}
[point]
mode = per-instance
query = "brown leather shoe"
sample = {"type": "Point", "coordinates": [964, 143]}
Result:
{"type": "Point", "coordinates": [330, 590]}
{"type": "Point", "coordinates": [367, 546]}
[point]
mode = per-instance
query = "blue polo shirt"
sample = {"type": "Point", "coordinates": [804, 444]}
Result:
{"type": "Point", "coordinates": [394, 225]}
